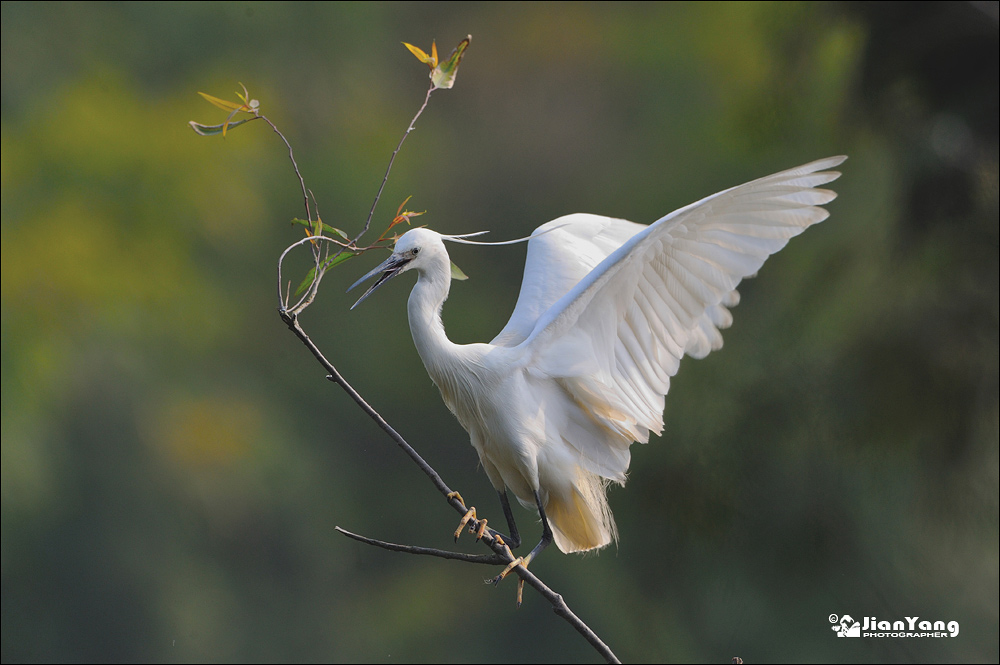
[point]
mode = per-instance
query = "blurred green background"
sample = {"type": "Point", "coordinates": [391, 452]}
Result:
{"type": "Point", "coordinates": [174, 461]}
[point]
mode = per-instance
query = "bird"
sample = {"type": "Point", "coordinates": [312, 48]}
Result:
{"type": "Point", "coordinates": [606, 310]}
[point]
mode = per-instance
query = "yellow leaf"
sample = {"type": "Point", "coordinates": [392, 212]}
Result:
{"type": "Point", "coordinates": [225, 125]}
{"type": "Point", "coordinates": [400, 208]}
{"type": "Point", "coordinates": [421, 56]}
{"type": "Point", "coordinates": [244, 96]}
{"type": "Point", "coordinates": [221, 103]}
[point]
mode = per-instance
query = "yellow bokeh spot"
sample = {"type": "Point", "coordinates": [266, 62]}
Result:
{"type": "Point", "coordinates": [211, 431]}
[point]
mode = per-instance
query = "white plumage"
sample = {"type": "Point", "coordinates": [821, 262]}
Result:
{"type": "Point", "coordinates": [607, 309]}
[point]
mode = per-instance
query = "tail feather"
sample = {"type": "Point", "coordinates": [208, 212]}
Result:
{"type": "Point", "coordinates": [580, 517]}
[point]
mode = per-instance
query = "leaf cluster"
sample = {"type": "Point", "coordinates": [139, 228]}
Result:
{"type": "Point", "coordinates": [331, 246]}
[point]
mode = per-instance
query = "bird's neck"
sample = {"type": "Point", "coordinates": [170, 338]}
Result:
{"type": "Point", "coordinates": [424, 310]}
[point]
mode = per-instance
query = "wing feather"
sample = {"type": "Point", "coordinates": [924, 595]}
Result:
{"type": "Point", "coordinates": [560, 254]}
{"type": "Point", "coordinates": [614, 335]}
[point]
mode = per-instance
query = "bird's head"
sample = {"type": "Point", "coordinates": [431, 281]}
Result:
{"type": "Point", "coordinates": [417, 249]}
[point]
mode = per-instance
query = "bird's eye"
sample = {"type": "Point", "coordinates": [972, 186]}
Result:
{"type": "Point", "coordinates": [416, 250]}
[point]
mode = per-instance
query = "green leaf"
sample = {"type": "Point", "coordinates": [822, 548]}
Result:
{"type": "Point", "coordinates": [215, 130]}
{"type": "Point", "coordinates": [306, 282]}
{"type": "Point", "coordinates": [456, 273]}
{"type": "Point", "coordinates": [444, 74]}
{"type": "Point", "coordinates": [326, 227]}
{"type": "Point", "coordinates": [326, 265]}
{"type": "Point", "coordinates": [337, 259]}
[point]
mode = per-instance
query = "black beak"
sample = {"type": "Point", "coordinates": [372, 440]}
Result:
{"type": "Point", "coordinates": [389, 269]}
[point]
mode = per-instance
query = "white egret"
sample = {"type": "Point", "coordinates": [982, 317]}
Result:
{"type": "Point", "coordinates": [606, 310]}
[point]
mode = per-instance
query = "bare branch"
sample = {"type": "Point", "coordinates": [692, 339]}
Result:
{"type": "Point", "coordinates": [291, 320]}
{"type": "Point", "coordinates": [385, 178]}
{"type": "Point", "coordinates": [291, 156]}
{"type": "Point", "coordinates": [318, 261]}
{"type": "Point", "coordinates": [560, 607]}
{"type": "Point", "coordinates": [491, 559]}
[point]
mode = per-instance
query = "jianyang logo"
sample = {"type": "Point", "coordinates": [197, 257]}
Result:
{"type": "Point", "coordinates": [846, 626]}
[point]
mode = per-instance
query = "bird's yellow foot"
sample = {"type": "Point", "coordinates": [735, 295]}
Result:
{"type": "Point", "coordinates": [518, 561]}
{"type": "Point", "coordinates": [478, 525]}
{"type": "Point", "coordinates": [470, 515]}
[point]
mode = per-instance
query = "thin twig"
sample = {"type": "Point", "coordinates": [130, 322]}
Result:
{"type": "Point", "coordinates": [559, 605]}
{"type": "Point", "coordinates": [385, 178]}
{"type": "Point", "coordinates": [318, 259]}
{"type": "Point", "coordinates": [311, 292]}
{"type": "Point", "coordinates": [291, 320]}
{"type": "Point", "coordinates": [291, 156]}
{"type": "Point", "coordinates": [491, 559]}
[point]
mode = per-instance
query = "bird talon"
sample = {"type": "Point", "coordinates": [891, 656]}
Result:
{"type": "Point", "coordinates": [481, 530]}
{"type": "Point", "coordinates": [455, 495]}
{"type": "Point", "coordinates": [520, 592]}
{"type": "Point", "coordinates": [470, 515]}
{"type": "Point", "coordinates": [519, 561]}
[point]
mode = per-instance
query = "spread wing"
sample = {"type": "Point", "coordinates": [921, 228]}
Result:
{"type": "Point", "coordinates": [613, 340]}
{"type": "Point", "coordinates": [560, 254]}
{"type": "Point", "coordinates": [564, 251]}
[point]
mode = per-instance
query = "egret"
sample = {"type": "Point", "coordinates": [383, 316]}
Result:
{"type": "Point", "coordinates": [606, 311]}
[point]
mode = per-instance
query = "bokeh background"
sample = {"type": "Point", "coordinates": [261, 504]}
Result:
{"type": "Point", "coordinates": [174, 461]}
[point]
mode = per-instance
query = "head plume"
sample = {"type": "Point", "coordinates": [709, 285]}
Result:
{"type": "Point", "coordinates": [463, 238]}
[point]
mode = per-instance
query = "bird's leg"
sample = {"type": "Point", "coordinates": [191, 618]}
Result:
{"type": "Point", "coordinates": [479, 525]}
{"type": "Point", "coordinates": [542, 544]}
{"type": "Point", "coordinates": [514, 541]}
